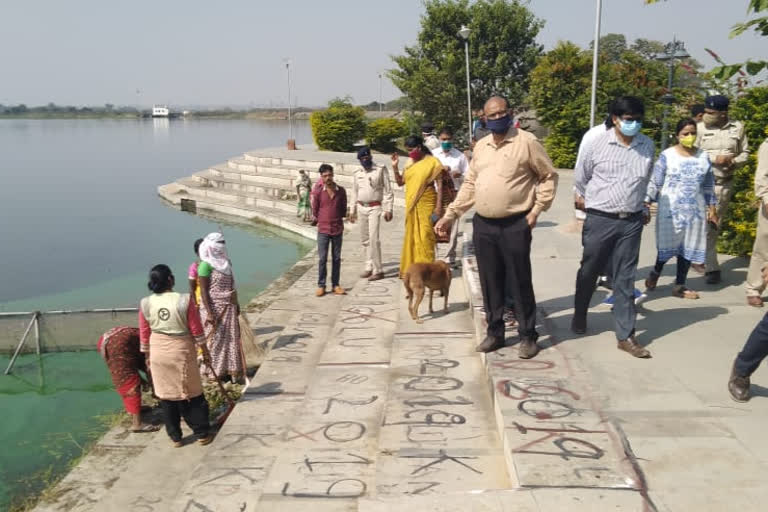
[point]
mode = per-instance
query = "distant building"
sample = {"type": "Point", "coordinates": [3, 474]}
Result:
{"type": "Point", "coordinates": [160, 111]}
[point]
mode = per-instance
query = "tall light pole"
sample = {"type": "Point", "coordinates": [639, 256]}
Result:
{"type": "Point", "coordinates": [290, 125]}
{"type": "Point", "coordinates": [672, 53]}
{"type": "Point", "coordinates": [595, 52]}
{"type": "Point", "coordinates": [464, 34]}
{"type": "Point", "coordinates": [381, 106]}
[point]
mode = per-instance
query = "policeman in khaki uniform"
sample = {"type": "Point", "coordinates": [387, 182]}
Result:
{"type": "Point", "coordinates": [755, 283]}
{"type": "Point", "coordinates": [726, 144]}
{"type": "Point", "coordinates": [372, 199]}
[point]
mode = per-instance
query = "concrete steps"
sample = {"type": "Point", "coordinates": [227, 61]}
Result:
{"type": "Point", "coordinates": [260, 183]}
{"type": "Point", "coordinates": [238, 206]}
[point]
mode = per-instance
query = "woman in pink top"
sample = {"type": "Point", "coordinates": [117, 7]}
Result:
{"type": "Point", "coordinates": [194, 281]}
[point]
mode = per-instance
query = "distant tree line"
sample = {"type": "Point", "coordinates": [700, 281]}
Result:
{"type": "Point", "coordinates": [52, 109]}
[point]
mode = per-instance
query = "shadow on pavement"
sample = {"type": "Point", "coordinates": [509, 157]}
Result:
{"type": "Point", "coordinates": [666, 321]}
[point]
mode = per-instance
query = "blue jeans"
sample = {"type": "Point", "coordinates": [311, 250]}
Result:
{"type": "Point", "coordinates": [323, 240]}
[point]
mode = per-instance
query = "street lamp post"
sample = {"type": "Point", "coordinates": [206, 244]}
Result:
{"type": "Point", "coordinates": [381, 106]}
{"type": "Point", "coordinates": [672, 53]}
{"type": "Point", "coordinates": [595, 55]}
{"type": "Point", "coordinates": [290, 125]}
{"type": "Point", "coordinates": [464, 34]}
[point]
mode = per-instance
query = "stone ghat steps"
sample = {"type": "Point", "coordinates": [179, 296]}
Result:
{"type": "Point", "coordinates": [238, 206]}
{"type": "Point", "coordinates": [278, 182]}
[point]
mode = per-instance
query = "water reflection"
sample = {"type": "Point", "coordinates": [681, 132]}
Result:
{"type": "Point", "coordinates": [160, 127]}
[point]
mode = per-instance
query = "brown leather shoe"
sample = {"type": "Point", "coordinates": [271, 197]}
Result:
{"type": "Point", "coordinates": [630, 345]}
{"type": "Point", "coordinates": [338, 290]}
{"type": "Point", "coordinates": [367, 273]}
{"type": "Point", "coordinates": [490, 344]}
{"type": "Point", "coordinates": [205, 440]}
{"type": "Point", "coordinates": [527, 349]}
{"type": "Point", "coordinates": [377, 276]}
{"type": "Point", "coordinates": [319, 292]}
{"type": "Point", "coordinates": [755, 301]}
{"type": "Point", "coordinates": [738, 386]}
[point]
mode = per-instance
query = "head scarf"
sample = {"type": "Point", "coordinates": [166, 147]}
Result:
{"type": "Point", "coordinates": [214, 252]}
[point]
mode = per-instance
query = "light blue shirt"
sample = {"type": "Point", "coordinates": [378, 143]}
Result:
{"type": "Point", "coordinates": [612, 177]}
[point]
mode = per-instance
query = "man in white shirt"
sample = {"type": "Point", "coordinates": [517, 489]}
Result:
{"type": "Point", "coordinates": [372, 199]}
{"type": "Point", "coordinates": [456, 165]}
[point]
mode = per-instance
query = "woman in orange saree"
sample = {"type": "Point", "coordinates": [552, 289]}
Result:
{"type": "Point", "coordinates": [423, 198]}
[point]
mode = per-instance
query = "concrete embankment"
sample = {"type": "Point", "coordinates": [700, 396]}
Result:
{"type": "Point", "coordinates": [357, 407]}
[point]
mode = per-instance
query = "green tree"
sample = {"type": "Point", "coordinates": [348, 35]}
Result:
{"type": "Point", "coordinates": [560, 86]}
{"type": "Point", "coordinates": [612, 47]}
{"type": "Point", "coordinates": [338, 127]}
{"type": "Point", "coordinates": [503, 51]}
{"type": "Point", "coordinates": [380, 134]}
{"type": "Point", "coordinates": [740, 223]}
{"type": "Point", "coordinates": [560, 93]}
{"type": "Point", "coordinates": [647, 47]}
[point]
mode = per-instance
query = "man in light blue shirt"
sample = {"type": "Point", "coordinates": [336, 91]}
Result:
{"type": "Point", "coordinates": [610, 183]}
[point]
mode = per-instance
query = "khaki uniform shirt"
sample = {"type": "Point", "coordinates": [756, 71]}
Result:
{"type": "Point", "coordinates": [507, 179]}
{"type": "Point", "coordinates": [728, 140]}
{"type": "Point", "coordinates": [761, 174]}
{"type": "Point", "coordinates": [372, 186]}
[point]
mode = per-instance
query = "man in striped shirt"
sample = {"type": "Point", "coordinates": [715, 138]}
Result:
{"type": "Point", "coordinates": [610, 182]}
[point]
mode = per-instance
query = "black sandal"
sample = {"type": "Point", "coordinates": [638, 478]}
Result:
{"type": "Point", "coordinates": [651, 280]}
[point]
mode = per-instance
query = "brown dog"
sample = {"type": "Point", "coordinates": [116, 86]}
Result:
{"type": "Point", "coordinates": [435, 276]}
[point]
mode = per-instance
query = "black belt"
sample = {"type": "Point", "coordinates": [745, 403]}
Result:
{"type": "Point", "coordinates": [617, 216]}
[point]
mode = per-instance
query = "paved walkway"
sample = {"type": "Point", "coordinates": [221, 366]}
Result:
{"type": "Point", "coordinates": [357, 407]}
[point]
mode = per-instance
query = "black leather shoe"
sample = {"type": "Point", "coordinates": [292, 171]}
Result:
{"type": "Point", "coordinates": [738, 386]}
{"type": "Point", "coordinates": [579, 325]}
{"type": "Point", "coordinates": [490, 344]}
{"type": "Point", "coordinates": [713, 277]}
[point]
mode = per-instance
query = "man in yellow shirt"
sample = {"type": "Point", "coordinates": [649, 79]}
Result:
{"type": "Point", "coordinates": [511, 180]}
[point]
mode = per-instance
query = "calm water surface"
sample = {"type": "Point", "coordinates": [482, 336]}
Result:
{"type": "Point", "coordinates": [81, 220]}
{"type": "Point", "coordinates": [81, 224]}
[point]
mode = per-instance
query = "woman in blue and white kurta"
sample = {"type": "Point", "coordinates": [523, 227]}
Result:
{"type": "Point", "coordinates": [684, 186]}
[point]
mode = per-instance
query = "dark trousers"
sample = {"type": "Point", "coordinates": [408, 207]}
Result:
{"type": "Point", "coordinates": [755, 349]}
{"type": "Point", "coordinates": [194, 411]}
{"type": "Point", "coordinates": [503, 252]}
{"type": "Point", "coordinates": [683, 266]}
{"type": "Point", "coordinates": [323, 240]}
{"type": "Point", "coordinates": [607, 238]}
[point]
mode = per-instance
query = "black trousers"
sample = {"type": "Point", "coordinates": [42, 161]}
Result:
{"type": "Point", "coordinates": [683, 266]}
{"type": "Point", "coordinates": [503, 252]}
{"type": "Point", "coordinates": [323, 240]}
{"type": "Point", "coordinates": [616, 241]}
{"type": "Point", "coordinates": [194, 411]}
{"type": "Point", "coordinates": [755, 349]}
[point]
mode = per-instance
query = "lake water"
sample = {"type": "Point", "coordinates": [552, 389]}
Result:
{"type": "Point", "coordinates": [81, 226]}
{"type": "Point", "coordinates": [81, 220]}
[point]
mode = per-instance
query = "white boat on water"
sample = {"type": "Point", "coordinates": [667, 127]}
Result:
{"type": "Point", "coordinates": [160, 111]}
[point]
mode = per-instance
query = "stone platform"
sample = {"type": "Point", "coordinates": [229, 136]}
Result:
{"type": "Point", "coordinates": [358, 407]}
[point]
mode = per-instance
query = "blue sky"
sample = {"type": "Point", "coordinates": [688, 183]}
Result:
{"type": "Point", "coordinates": [215, 53]}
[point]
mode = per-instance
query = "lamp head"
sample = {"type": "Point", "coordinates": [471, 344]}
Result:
{"type": "Point", "coordinates": [464, 32]}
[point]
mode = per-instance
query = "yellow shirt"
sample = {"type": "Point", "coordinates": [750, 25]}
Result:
{"type": "Point", "coordinates": [507, 179]}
